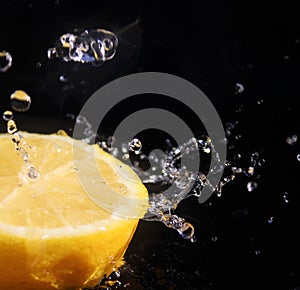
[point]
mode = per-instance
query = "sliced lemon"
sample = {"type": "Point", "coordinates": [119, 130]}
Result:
{"type": "Point", "coordinates": [53, 233]}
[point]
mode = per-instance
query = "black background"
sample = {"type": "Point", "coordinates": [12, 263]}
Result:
{"type": "Point", "coordinates": [214, 45]}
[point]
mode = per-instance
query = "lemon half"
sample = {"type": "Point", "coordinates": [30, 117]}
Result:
{"type": "Point", "coordinates": [52, 234]}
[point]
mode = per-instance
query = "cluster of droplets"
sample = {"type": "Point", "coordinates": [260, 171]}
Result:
{"type": "Point", "coordinates": [174, 182]}
{"type": "Point", "coordinates": [20, 102]}
{"type": "Point", "coordinates": [165, 171]}
{"type": "Point", "coordinates": [5, 61]}
{"type": "Point", "coordinates": [86, 46]}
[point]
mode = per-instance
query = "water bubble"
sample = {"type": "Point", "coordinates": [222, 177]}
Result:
{"type": "Point", "coordinates": [20, 101]}
{"type": "Point", "coordinates": [286, 197]}
{"type": "Point", "coordinates": [291, 139]}
{"type": "Point", "coordinates": [257, 252]}
{"type": "Point", "coordinates": [5, 61]}
{"type": "Point", "coordinates": [251, 185]}
{"type": "Point", "coordinates": [239, 88]}
{"type": "Point", "coordinates": [135, 146]}
{"type": "Point", "coordinates": [86, 46]}
{"type": "Point", "coordinates": [270, 220]}
{"type": "Point", "coordinates": [298, 157]}
{"type": "Point", "coordinates": [214, 239]}
{"type": "Point", "coordinates": [7, 116]}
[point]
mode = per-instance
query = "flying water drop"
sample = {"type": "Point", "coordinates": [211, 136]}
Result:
{"type": "Point", "coordinates": [85, 46]}
{"type": "Point", "coordinates": [251, 185]}
{"type": "Point", "coordinates": [291, 139]}
{"type": "Point", "coordinates": [20, 101]}
{"type": "Point", "coordinates": [286, 197]}
{"type": "Point", "coordinates": [5, 61]}
{"type": "Point", "coordinates": [135, 145]}
{"type": "Point", "coordinates": [239, 88]}
{"type": "Point", "coordinates": [7, 116]}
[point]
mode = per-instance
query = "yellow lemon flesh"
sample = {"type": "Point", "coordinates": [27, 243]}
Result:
{"type": "Point", "coordinates": [52, 235]}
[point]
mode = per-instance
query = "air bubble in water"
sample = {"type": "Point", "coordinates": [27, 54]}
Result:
{"type": "Point", "coordinates": [20, 101]}
{"type": "Point", "coordinates": [270, 220]}
{"type": "Point", "coordinates": [291, 139]}
{"type": "Point", "coordinates": [5, 61]}
{"type": "Point", "coordinates": [135, 146]}
{"type": "Point", "coordinates": [298, 157]}
{"type": "Point", "coordinates": [7, 116]}
{"type": "Point", "coordinates": [86, 46]}
{"type": "Point", "coordinates": [251, 185]}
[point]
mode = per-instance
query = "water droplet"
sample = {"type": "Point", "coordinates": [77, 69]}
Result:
{"type": "Point", "coordinates": [251, 185]}
{"type": "Point", "coordinates": [7, 116]}
{"type": "Point", "coordinates": [194, 239]}
{"type": "Point", "coordinates": [238, 137]}
{"type": "Point", "coordinates": [239, 88]}
{"type": "Point", "coordinates": [186, 231]}
{"type": "Point", "coordinates": [270, 220]}
{"type": "Point", "coordinates": [261, 162]}
{"type": "Point", "coordinates": [63, 78]}
{"type": "Point", "coordinates": [38, 65]}
{"type": "Point", "coordinates": [214, 239]}
{"type": "Point", "coordinates": [291, 139]}
{"type": "Point", "coordinates": [257, 252]}
{"type": "Point", "coordinates": [20, 101]}
{"type": "Point", "coordinates": [227, 163]}
{"type": "Point", "coordinates": [125, 156]}
{"type": "Point", "coordinates": [237, 156]}
{"type": "Point", "coordinates": [11, 127]}
{"type": "Point", "coordinates": [298, 157]}
{"type": "Point", "coordinates": [5, 61]}
{"type": "Point", "coordinates": [135, 146]}
{"type": "Point", "coordinates": [86, 46]}
{"type": "Point", "coordinates": [260, 102]}
{"type": "Point", "coordinates": [33, 173]}
{"type": "Point", "coordinates": [286, 197]}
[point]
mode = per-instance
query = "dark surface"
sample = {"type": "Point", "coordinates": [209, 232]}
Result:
{"type": "Point", "coordinates": [214, 45]}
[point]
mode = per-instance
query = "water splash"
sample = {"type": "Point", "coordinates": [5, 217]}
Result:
{"type": "Point", "coordinates": [86, 46]}
{"type": "Point", "coordinates": [21, 144]}
{"type": "Point", "coordinates": [162, 171]}
{"type": "Point", "coordinates": [5, 61]}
